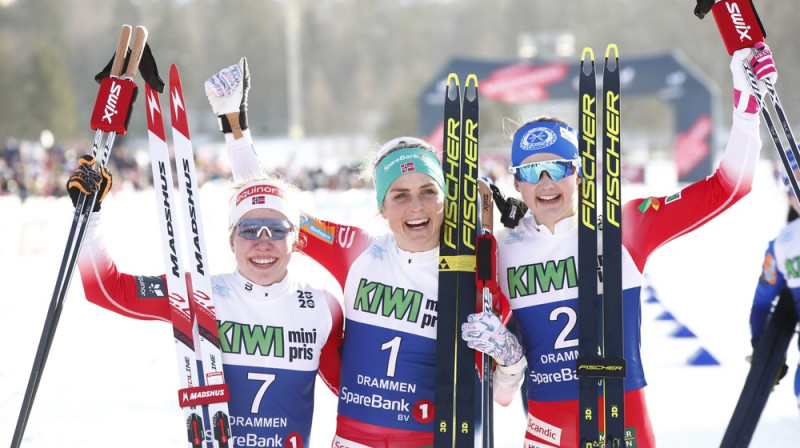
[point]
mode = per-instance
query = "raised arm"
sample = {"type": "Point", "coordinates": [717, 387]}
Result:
{"type": "Point", "coordinates": [227, 92]}
{"type": "Point", "coordinates": [654, 221]}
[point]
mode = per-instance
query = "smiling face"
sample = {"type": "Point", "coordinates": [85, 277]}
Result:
{"type": "Point", "coordinates": [414, 208]}
{"type": "Point", "coordinates": [551, 201]}
{"type": "Point", "coordinates": [262, 261]}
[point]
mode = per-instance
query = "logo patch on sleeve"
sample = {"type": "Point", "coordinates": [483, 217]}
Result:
{"type": "Point", "coordinates": [673, 197]}
{"type": "Point", "coordinates": [150, 287]}
{"type": "Point", "coordinates": [649, 202]}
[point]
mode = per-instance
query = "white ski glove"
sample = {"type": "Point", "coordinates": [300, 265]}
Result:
{"type": "Point", "coordinates": [486, 333]}
{"type": "Point", "coordinates": [227, 92]}
{"type": "Point", "coordinates": [759, 58]}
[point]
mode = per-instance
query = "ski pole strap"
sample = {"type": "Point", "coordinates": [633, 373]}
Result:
{"type": "Point", "coordinates": [738, 24]}
{"type": "Point", "coordinates": [486, 262]}
{"type": "Point", "coordinates": [112, 110]}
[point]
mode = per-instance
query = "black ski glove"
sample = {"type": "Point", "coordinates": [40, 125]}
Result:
{"type": "Point", "coordinates": [87, 181]}
{"type": "Point", "coordinates": [511, 209]}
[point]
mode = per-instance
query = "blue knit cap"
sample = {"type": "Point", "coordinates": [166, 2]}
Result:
{"type": "Point", "coordinates": [544, 136]}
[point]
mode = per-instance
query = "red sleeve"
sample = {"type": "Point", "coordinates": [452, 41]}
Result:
{"type": "Point", "coordinates": [139, 297]}
{"type": "Point", "coordinates": [648, 223]}
{"type": "Point", "coordinates": [330, 359]}
{"type": "Point", "coordinates": [651, 222]}
{"type": "Point", "coordinates": [334, 246]}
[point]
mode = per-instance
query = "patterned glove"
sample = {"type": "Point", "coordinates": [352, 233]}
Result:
{"type": "Point", "coordinates": [86, 180]}
{"type": "Point", "coordinates": [484, 332]}
{"type": "Point", "coordinates": [759, 58]}
{"type": "Point", "coordinates": [762, 63]}
{"type": "Point", "coordinates": [227, 92]}
{"type": "Point", "coordinates": [511, 209]}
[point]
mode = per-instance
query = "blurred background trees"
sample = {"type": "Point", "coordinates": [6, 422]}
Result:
{"type": "Point", "coordinates": [358, 66]}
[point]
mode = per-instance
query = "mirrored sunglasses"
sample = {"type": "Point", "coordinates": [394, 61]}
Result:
{"type": "Point", "coordinates": [251, 228]}
{"type": "Point", "coordinates": [532, 172]}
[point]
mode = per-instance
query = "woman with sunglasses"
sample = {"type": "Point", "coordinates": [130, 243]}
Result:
{"type": "Point", "coordinates": [390, 283]}
{"type": "Point", "coordinates": [780, 270]}
{"type": "Point", "coordinates": [537, 256]}
{"type": "Point", "coordinates": [261, 296]}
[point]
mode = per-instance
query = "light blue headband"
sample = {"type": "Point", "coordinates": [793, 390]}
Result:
{"type": "Point", "coordinates": [405, 161]}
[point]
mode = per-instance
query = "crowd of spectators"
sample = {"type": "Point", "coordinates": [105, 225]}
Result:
{"type": "Point", "coordinates": [28, 168]}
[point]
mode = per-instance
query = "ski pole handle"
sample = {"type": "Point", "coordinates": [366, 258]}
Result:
{"type": "Point", "coordinates": [114, 104]}
{"type": "Point", "coordinates": [122, 51]}
{"type": "Point", "coordinates": [487, 205]}
{"type": "Point", "coordinates": [136, 53]}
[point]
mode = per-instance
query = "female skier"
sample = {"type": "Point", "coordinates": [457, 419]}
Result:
{"type": "Point", "coordinates": [271, 392]}
{"type": "Point", "coordinates": [546, 168]}
{"type": "Point", "coordinates": [390, 282]}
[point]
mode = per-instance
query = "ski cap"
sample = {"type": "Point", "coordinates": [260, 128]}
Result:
{"type": "Point", "coordinates": [415, 156]}
{"type": "Point", "coordinates": [261, 194]}
{"type": "Point", "coordinates": [544, 136]}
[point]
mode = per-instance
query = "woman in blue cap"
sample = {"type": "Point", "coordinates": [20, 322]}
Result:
{"type": "Point", "coordinates": [537, 259]}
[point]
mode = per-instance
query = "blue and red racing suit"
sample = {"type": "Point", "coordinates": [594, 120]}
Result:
{"type": "Point", "coordinates": [538, 275]}
{"type": "Point", "coordinates": [275, 340]}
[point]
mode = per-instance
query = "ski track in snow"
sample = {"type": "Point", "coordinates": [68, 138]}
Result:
{"type": "Point", "coordinates": [110, 380]}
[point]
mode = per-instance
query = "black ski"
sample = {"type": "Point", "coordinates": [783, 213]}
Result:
{"type": "Point", "coordinates": [614, 383]}
{"type": "Point", "coordinates": [468, 415]}
{"type": "Point", "coordinates": [767, 359]}
{"type": "Point", "coordinates": [600, 348]}
{"type": "Point", "coordinates": [588, 322]}
{"type": "Point", "coordinates": [455, 364]}
{"type": "Point", "coordinates": [444, 405]}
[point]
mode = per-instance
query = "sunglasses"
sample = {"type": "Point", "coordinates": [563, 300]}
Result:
{"type": "Point", "coordinates": [250, 229]}
{"type": "Point", "coordinates": [556, 169]}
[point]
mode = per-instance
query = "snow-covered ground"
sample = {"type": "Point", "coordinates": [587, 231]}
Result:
{"type": "Point", "coordinates": [111, 381]}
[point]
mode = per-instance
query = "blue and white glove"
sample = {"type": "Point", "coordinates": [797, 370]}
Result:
{"type": "Point", "coordinates": [227, 92]}
{"type": "Point", "coordinates": [486, 333]}
{"type": "Point", "coordinates": [759, 58]}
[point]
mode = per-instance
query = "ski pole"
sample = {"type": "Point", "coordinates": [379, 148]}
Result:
{"type": "Point", "coordinates": [740, 27]}
{"type": "Point", "coordinates": [787, 130]}
{"type": "Point", "coordinates": [83, 209]}
{"type": "Point", "coordinates": [787, 166]}
{"type": "Point", "coordinates": [486, 271]}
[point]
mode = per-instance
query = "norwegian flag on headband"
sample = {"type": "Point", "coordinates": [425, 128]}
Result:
{"type": "Point", "coordinates": [259, 200]}
{"type": "Point", "coordinates": [406, 167]}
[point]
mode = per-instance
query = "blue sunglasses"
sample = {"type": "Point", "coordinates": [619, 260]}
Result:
{"type": "Point", "coordinates": [251, 228]}
{"type": "Point", "coordinates": [532, 172]}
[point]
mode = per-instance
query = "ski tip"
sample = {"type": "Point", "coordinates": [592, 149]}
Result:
{"type": "Point", "coordinates": [472, 79]}
{"type": "Point", "coordinates": [613, 47]}
{"type": "Point", "coordinates": [173, 73]}
{"type": "Point", "coordinates": [452, 77]}
{"type": "Point", "coordinates": [587, 51]}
